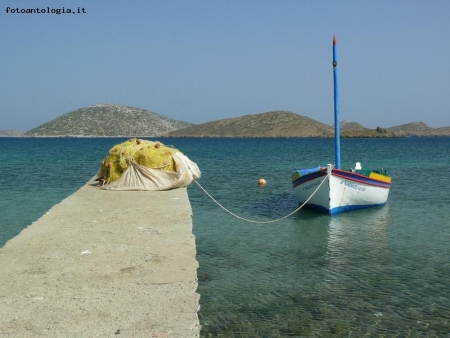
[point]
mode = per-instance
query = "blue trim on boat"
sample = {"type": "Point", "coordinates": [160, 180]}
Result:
{"type": "Point", "coordinates": [303, 172]}
{"type": "Point", "coordinates": [346, 208]}
{"type": "Point", "coordinates": [340, 210]}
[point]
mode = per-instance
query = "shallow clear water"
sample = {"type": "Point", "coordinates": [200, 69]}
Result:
{"type": "Point", "coordinates": [379, 272]}
{"type": "Point", "coordinates": [37, 173]}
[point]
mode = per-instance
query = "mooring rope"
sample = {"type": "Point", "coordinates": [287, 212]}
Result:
{"type": "Point", "coordinates": [262, 222]}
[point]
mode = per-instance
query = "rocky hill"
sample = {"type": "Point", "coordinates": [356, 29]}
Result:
{"type": "Point", "coordinates": [354, 129]}
{"type": "Point", "coordinates": [347, 125]}
{"type": "Point", "coordinates": [108, 120]}
{"type": "Point", "coordinates": [419, 129]}
{"type": "Point", "coordinates": [270, 124]}
{"type": "Point", "coordinates": [443, 131]}
{"type": "Point", "coordinates": [275, 124]}
{"type": "Point", "coordinates": [10, 133]}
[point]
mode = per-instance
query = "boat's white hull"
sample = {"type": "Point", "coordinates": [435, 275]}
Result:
{"type": "Point", "coordinates": [342, 191]}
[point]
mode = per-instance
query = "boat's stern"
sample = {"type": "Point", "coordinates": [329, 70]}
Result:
{"type": "Point", "coordinates": [358, 189]}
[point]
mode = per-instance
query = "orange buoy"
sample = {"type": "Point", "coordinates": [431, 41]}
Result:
{"type": "Point", "coordinates": [262, 182]}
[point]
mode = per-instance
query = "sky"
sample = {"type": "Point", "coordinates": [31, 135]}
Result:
{"type": "Point", "coordinates": [203, 60]}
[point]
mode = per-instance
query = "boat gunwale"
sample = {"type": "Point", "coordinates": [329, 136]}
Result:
{"type": "Point", "coordinates": [309, 177]}
{"type": "Point", "coordinates": [360, 178]}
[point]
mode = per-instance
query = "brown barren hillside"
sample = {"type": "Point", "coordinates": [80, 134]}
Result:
{"type": "Point", "coordinates": [412, 129]}
{"type": "Point", "coordinates": [355, 129]}
{"type": "Point", "coordinates": [270, 124]}
{"type": "Point", "coordinates": [443, 131]}
{"type": "Point", "coordinates": [347, 125]}
{"type": "Point", "coordinates": [419, 129]}
{"type": "Point", "coordinates": [276, 124]}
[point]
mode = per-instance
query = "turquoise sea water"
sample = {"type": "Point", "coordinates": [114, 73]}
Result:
{"type": "Point", "coordinates": [381, 272]}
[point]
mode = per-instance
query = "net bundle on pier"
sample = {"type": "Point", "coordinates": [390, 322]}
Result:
{"type": "Point", "coordinates": [138, 164]}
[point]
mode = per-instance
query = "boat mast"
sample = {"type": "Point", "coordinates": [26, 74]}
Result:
{"type": "Point", "coordinates": [337, 142]}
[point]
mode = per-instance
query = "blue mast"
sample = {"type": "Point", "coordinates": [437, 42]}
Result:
{"type": "Point", "coordinates": [337, 142]}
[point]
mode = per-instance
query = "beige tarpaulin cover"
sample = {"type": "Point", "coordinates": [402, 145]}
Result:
{"type": "Point", "coordinates": [139, 177]}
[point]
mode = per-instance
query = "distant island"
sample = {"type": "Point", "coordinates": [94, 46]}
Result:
{"type": "Point", "coordinates": [11, 133]}
{"type": "Point", "coordinates": [112, 120]}
{"type": "Point", "coordinates": [108, 120]}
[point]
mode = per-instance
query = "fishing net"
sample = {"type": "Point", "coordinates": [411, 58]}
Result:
{"type": "Point", "coordinates": [139, 164]}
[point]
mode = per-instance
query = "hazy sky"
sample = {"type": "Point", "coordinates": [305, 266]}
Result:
{"type": "Point", "coordinates": [204, 60]}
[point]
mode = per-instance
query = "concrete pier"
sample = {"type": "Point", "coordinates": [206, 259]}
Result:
{"type": "Point", "coordinates": [103, 264]}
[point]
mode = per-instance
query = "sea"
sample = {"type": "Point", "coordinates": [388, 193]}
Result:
{"type": "Point", "coordinates": [381, 272]}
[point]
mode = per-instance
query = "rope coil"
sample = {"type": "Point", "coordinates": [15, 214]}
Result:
{"type": "Point", "coordinates": [263, 222]}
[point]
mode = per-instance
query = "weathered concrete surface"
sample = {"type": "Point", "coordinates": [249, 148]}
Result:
{"type": "Point", "coordinates": [103, 264]}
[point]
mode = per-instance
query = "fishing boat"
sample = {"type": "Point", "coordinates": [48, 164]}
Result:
{"type": "Point", "coordinates": [334, 190]}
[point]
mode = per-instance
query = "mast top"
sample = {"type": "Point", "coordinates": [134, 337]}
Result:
{"type": "Point", "coordinates": [334, 40]}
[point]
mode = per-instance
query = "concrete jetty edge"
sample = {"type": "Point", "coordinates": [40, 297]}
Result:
{"type": "Point", "coordinates": [103, 264]}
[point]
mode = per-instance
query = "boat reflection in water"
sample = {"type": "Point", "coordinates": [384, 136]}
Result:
{"type": "Point", "coordinates": [345, 271]}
